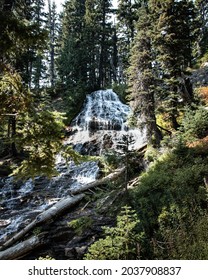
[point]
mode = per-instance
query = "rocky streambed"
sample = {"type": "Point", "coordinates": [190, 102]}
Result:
{"type": "Point", "coordinates": [98, 129]}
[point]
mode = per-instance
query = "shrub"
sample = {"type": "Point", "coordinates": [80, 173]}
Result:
{"type": "Point", "coordinates": [169, 200]}
{"type": "Point", "coordinates": [121, 242]}
{"type": "Point", "coordinates": [203, 93]}
{"type": "Point", "coordinates": [195, 124]}
{"type": "Point", "coordinates": [81, 224]}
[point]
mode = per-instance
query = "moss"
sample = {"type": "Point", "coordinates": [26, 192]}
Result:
{"type": "Point", "coordinates": [81, 224]}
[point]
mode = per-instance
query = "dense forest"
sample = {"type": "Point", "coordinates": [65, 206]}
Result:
{"type": "Point", "coordinates": [154, 55]}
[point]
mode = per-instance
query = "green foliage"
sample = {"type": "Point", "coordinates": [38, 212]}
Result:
{"type": "Point", "coordinates": [46, 258]}
{"type": "Point", "coordinates": [15, 98]}
{"type": "Point", "coordinates": [141, 77]}
{"type": "Point", "coordinates": [121, 242]}
{"type": "Point", "coordinates": [151, 154]}
{"type": "Point", "coordinates": [40, 136]}
{"type": "Point", "coordinates": [110, 160]}
{"type": "Point", "coordinates": [37, 231]}
{"type": "Point", "coordinates": [121, 90]}
{"type": "Point", "coordinates": [184, 235]}
{"type": "Point", "coordinates": [32, 127]}
{"type": "Point", "coordinates": [81, 224]}
{"type": "Point", "coordinates": [74, 99]}
{"type": "Point", "coordinates": [170, 199]}
{"type": "Point", "coordinates": [195, 124]}
{"type": "Point", "coordinates": [87, 46]}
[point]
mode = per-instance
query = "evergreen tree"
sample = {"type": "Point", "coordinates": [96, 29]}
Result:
{"type": "Point", "coordinates": [17, 32]}
{"type": "Point", "coordinates": [173, 40]}
{"type": "Point", "coordinates": [87, 58]}
{"type": "Point", "coordinates": [15, 99]}
{"type": "Point", "coordinates": [127, 16]}
{"type": "Point", "coordinates": [72, 61]}
{"type": "Point", "coordinates": [121, 242]}
{"type": "Point", "coordinates": [105, 35]}
{"type": "Point", "coordinates": [92, 36]}
{"type": "Point", "coordinates": [31, 14]}
{"type": "Point", "coordinates": [38, 67]}
{"type": "Point", "coordinates": [28, 127]}
{"type": "Point", "coordinates": [53, 34]}
{"type": "Point", "coordinates": [141, 77]}
{"type": "Point", "coordinates": [202, 42]}
{"type": "Point", "coordinates": [86, 26]}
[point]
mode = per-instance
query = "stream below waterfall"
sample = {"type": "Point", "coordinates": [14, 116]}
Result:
{"type": "Point", "coordinates": [98, 128]}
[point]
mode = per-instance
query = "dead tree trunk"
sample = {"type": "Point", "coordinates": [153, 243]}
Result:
{"type": "Point", "coordinates": [21, 249]}
{"type": "Point", "coordinates": [47, 216]}
{"type": "Point", "coordinates": [102, 181]}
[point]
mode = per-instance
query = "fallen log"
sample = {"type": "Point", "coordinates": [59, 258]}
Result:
{"type": "Point", "coordinates": [47, 216]}
{"type": "Point", "coordinates": [21, 249]}
{"type": "Point", "coordinates": [96, 183]}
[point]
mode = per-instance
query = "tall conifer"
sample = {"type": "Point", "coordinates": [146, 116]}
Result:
{"type": "Point", "coordinates": [141, 77]}
{"type": "Point", "coordinates": [173, 41]}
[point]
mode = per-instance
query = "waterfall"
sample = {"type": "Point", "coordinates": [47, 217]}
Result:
{"type": "Point", "coordinates": [102, 123]}
{"type": "Point", "coordinates": [98, 128]}
{"type": "Point", "coordinates": [102, 111]}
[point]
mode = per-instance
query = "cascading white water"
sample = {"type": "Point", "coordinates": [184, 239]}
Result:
{"type": "Point", "coordinates": [102, 111]}
{"type": "Point", "coordinates": [99, 127]}
{"type": "Point", "coordinates": [103, 122]}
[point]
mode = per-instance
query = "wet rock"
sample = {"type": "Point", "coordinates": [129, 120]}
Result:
{"type": "Point", "coordinates": [97, 128]}
{"type": "Point", "coordinates": [4, 223]}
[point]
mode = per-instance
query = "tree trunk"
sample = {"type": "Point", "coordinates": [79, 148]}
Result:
{"type": "Point", "coordinates": [11, 132]}
{"type": "Point", "coordinates": [102, 48]}
{"type": "Point", "coordinates": [21, 249]}
{"type": "Point", "coordinates": [47, 216]}
{"type": "Point", "coordinates": [51, 43]}
{"type": "Point", "coordinates": [102, 181]}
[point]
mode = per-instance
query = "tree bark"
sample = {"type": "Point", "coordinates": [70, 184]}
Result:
{"type": "Point", "coordinates": [102, 181]}
{"type": "Point", "coordinates": [21, 249]}
{"type": "Point", "coordinates": [47, 216]}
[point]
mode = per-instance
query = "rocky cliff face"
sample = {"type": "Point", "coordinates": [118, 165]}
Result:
{"type": "Point", "coordinates": [199, 77]}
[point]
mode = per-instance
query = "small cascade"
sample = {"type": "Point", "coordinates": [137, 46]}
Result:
{"type": "Point", "coordinates": [21, 202]}
{"type": "Point", "coordinates": [102, 111]}
{"type": "Point", "coordinates": [102, 123]}
{"type": "Point", "coordinates": [98, 128]}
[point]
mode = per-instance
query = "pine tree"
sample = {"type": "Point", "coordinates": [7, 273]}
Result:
{"type": "Point", "coordinates": [121, 242]}
{"type": "Point", "coordinates": [102, 38]}
{"type": "Point", "coordinates": [92, 29]}
{"type": "Point", "coordinates": [53, 35]}
{"type": "Point", "coordinates": [127, 16]}
{"type": "Point", "coordinates": [72, 61]}
{"type": "Point", "coordinates": [141, 77]}
{"type": "Point", "coordinates": [202, 42]}
{"type": "Point", "coordinates": [15, 100]}
{"type": "Point", "coordinates": [38, 67]}
{"type": "Point", "coordinates": [25, 123]}
{"type": "Point", "coordinates": [17, 32]}
{"type": "Point", "coordinates": [173, 41]}
{"type": "Point", "coordinates": [87, 56]}
{"type": "Point", "coordinates": [30, 14]}
{"type": "Point", "coordinates": [105, 34]}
